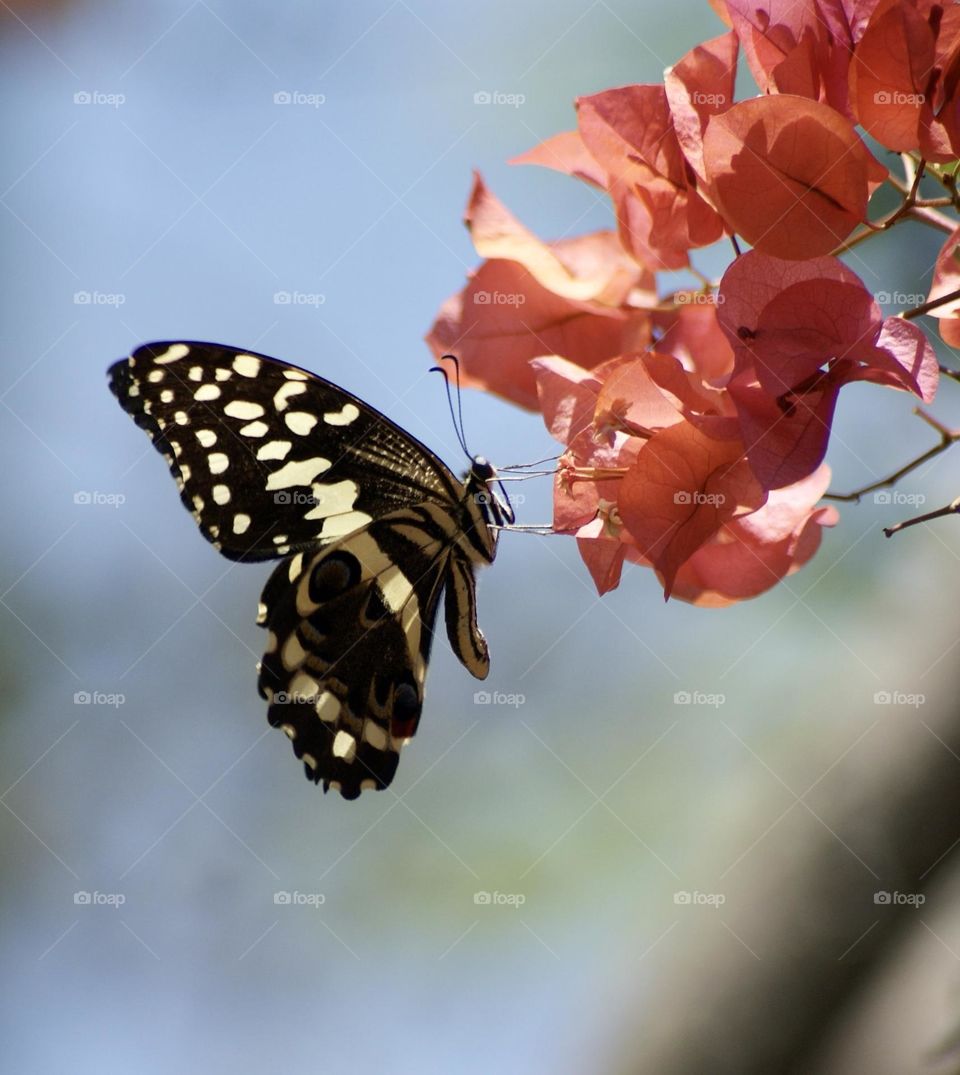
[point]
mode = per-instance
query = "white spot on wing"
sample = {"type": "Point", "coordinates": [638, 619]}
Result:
{"type": "Point", "coordinates": [156, 376]}
{"type": "Point", "coordinates": [172, 353]}
{"type": "Point", "coordinates": [206, 392]}
{"type": "Point", "coordinates": [274, 449]}
{"type": "Point", "coordinates": [247, 365]}
{"type": "Point", "coordinates": [241, 523]}
{"type": "Point", "coordinates": [292, 654]}
{"type": "Point", "coordinates": [181, 418]}
{"type": "Point", "coordinates": [196, 373]}
{"type": "Point", "coordinates": [374, 735]}
{"type": "Point", "coordinates": [304, 688]}
{"type": "Point", "coordinates": [327, 707]}
{"type": "Point", "coordinates": [300, 422]}
{"type": "Point", "coordinates": [166, 396]}
{"type": "Point", "coordinates": [207, 437]}
{"type": "Point", "coordinates": [344, 746]}
{"type": "Point", "coordinates": [255, 429]}
{"type": "Point", "coordinates": [347, 414]}
{"type": "Point", "coordinates": [221, 494]}
{"type": "Point", "coordinates": [243, 409]}
{"type": "Point", "coordinates": [298, 472]}
{"type": "Point", "coordinates": [333, 498]}
{"type": "Point", "coordinates": [218, 462]}
{"type": "Point", "coordinates": [285, 391]}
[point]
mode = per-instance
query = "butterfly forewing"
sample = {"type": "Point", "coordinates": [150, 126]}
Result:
{"type": "Point", "coordinates": [269, 458]}
{"type": "Point", "coordinates": [275, 462]}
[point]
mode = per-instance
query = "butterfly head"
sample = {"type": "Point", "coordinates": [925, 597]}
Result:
{"type": "Point", "coordinates": [481, 480]}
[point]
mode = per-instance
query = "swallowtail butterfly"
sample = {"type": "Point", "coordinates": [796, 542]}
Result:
{"type": "Point", "coordinates": [369, 525]}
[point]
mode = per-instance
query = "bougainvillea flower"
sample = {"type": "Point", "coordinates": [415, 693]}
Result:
{"type": "Point", "coordinates": [946, 280]}
{"type": "Point", "coordinates": [567, 298]}
{"type": "Point", "coordinates": [754, 552]}
{"type": "Point", "coordinates": [684, 485]}
{"type": "Point", "coordinates": [799, 332]}
{"type": "Point", "coordinates": [787, 320]}
{"type": "Point", "coordinates": [799, 47]}
{"type": "Point", "coordinates": [629, 131]}
{"type": "Point", "coordinates": [790, 175]}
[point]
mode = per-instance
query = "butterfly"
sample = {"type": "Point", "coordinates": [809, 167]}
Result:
{"type": "Point", "coordinates": [370, 528]}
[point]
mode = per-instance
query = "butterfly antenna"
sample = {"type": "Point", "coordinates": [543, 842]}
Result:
{"type": "Point", "coordinates": [456, 416]}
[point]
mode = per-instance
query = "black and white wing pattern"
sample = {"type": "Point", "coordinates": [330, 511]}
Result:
{"type": "Point", "coordinates": [370, 526]}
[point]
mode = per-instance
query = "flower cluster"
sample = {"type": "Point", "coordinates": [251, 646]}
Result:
{"type": "Point", "coordinates": [695, 423]}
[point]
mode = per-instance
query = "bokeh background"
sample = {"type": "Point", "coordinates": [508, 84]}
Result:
{"type": "Point", "coordinates": [151, 187]}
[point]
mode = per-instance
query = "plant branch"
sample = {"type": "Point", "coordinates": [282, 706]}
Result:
{"type": "Point", "coordinates": [948, 437]}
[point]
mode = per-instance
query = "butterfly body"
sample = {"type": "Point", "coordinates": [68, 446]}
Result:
{"type": "Point", "coordinates": [371, 529]}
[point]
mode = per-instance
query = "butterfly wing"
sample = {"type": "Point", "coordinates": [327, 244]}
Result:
{"type": "Point", "coordinates": [268, 457]}
{"type": "Point", "coordinates": [349, 635]}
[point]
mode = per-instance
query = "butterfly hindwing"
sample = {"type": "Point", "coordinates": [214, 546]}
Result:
{"type": "Point", "coordinates": [372, 527]}
{"type": "Point", "coordinates": [349, 635]}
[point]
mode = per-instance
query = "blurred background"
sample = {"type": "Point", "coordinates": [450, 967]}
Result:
{"type": "Point", "coordinates": [591, 878]}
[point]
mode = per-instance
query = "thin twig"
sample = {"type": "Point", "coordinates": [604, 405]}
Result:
{"type": "Point", "coordinates": [952, 508]}
{"type": "Point", "coordinates": [948, 437]}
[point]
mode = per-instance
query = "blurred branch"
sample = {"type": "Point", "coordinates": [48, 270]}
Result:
{"type": "Point", "coordinates": [804, 909]}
